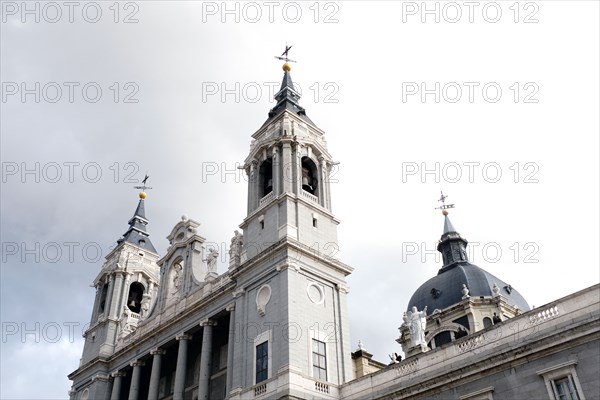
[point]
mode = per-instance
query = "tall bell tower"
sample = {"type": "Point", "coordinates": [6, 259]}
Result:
{"type": "Point", "coordinates": [291, 288]}
{"type": "Point", "coordinates": [289, 194]}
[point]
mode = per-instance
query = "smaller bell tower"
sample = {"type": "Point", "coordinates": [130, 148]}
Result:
{"type": "Point", "coordinates": [126, 290]}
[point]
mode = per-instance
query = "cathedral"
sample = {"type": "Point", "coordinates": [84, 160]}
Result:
{"type": "Point", "coordinates": [275, 324]}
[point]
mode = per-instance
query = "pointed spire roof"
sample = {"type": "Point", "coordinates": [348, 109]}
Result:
{"type": "Point", "coordinates": [287, 98]}
{"type": "Point", "coordinates": [136, 234]}
{"type": "Point", "coordinates": [448, 227]}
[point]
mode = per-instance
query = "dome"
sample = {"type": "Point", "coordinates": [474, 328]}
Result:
{"type": "Point", "coordinates": [445, 289]}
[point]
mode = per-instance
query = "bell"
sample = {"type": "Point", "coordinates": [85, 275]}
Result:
{"type": "Point", "coordinates": [132, 303]}
{"type": "Point", "coordinates": [269, 184]}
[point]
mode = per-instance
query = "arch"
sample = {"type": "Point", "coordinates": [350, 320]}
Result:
{"type": "Point", "coordinates": [265, 178]}
{"type": "Point", "coordinates": [487, 322]}
{"type": "Point", "coordinates": [458, 329]}
{"type": "Point", "coordinates": [134, 298]}
{"type": "Point", "coordinates": [310, 176]}
{"type": "Point", "coordinates": [103, 294]}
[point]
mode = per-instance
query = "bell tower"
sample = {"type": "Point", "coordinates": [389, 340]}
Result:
{"type": "Point", "coordinates": [288, 187]}
{"type": "Point", "coordinates": [290, 285]}
{"type": "Point", "coordinates": [126, 290]}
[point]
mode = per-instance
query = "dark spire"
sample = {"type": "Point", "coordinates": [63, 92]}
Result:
{"type": "Point", "coordinates": [136, 234]}
{"type": "Point", "coordinates": [448, 227]}
{"type": "Point", "coordinates": [288, 98]}
{"type": "Point", "coordinates": [452, 246]}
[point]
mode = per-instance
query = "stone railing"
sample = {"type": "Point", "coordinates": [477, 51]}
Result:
{"type": "Point", "coordinates": [322, 387]}
{"type": "Point", "coordinates": [543, 315]}
{"type": "Point", "coordinates": [470, 343]}
{"type": "Point", "coordinates": [404, 368]}
{"type": "Point", "coordinates": [310, 197]}
{"type": "Point", "coordinates": [521, 335]}
{"type": "Point", "coordinates": [260, 389]}
{"type": "Point", "coordinates": [266, 198]}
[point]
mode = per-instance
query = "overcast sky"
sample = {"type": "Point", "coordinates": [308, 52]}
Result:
{"type": "Point", "coordinates": [176, 89]}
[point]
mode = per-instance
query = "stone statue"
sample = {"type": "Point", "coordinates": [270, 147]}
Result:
{"type": "Point", "coordinates": [496, 319]}
{"type": "Point", "coordinates": [176, 276]}
{"type": "Point", "coordinates": [417, 321]}
{"type": "Point", "coordinates": [395, 357]}
{"type": "Point", "coordinates": [235, 250]}
{"type": "Point", "coordinates": [211, 260]}
{"type": "Point", "coordinates": [145, 305]}
{"type": "Point", "coordinates": [465, 292]}
{"type": "Point", "coordinates": [405, 319]}
{"type": "Point", "coordinates": [496, 290]}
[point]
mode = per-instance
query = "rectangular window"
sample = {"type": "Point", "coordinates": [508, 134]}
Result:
{"type": "Point", "coordinates": [262, 362]}
{"type": "Point", "coordinates": [565, 389]}
{"type": "Point", "coordinates": [562, 382]}
{"type": "Point", "coordinates": [319, 360]}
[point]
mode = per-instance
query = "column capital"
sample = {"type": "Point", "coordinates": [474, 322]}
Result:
{"type": "Point", "coordinates": [137, 363]}
{"type": "Point", "coordinates": [158, 351]}
{"type": "Point", "coordinates": [342, 288]}
{"type": "Point", "coordinates": [100, 377]}
{"type": "Point", "coordinates": [183, 336]}
{"type": "Point", "coordinates": [230, 307]}
{"type": "Point", "coordinates": [118, 374]}
{"type": "Point", "coordinates": [208, 322]}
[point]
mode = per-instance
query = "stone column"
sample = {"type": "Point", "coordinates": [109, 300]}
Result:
{"type": "Point", "coordinates": [324, 184]}
{"type": "Point", "coordinates": [205, 357]}
{"type": "Point", "coordinates": [230, 341]}
{"type": "Point", "coordinates": [286, 160]}
{"type": "Point", "coordinates": [125, 292]}
{"type": "Point", "coordinates": [277, 168]}
{"type": "Point", "coordinates": [252, 187]}
{"type": "Point", "coordinates": [115, 312]}
{"type": "Point", "coordinates": [155, 374]}
{"type": "Point", "coordinates": [96, 309]}
{"type": "Point", "coordinates": [134, 388]}
{"type": "Point", "coordinates": [111, 287]}
{"type": "Point", "coordinates": [181, 366]}
{"type": "Point", "coordinates": [116, 389]}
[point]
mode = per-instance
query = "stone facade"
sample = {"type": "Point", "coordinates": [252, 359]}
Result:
{"type": "Point", "coordinates": [275, 324]}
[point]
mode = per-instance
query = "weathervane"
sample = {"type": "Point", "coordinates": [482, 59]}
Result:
{"type": "Point", "coordinates": [284, 55]}
{"type": "Point", "coordinates": [444, 207]}
{"type": "Point", "coordinates": [143, 187]}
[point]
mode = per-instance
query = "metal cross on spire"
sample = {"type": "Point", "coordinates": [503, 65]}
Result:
{"type": "Point", "coordinates": [284, 55]}
{"type": "Point", "coordinates": [444, 206]}
{"type": "Point", "coordinates": [143, 187]}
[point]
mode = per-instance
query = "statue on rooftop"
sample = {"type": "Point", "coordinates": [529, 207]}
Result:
{"type": "Point", "coordinates": [417, 322]}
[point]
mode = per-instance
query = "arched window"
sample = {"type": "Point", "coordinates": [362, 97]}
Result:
{"type": "Point", "coordinates": [265, 177]}
{"type": "Point", "coordinates": [310, 182]}
{"type": "Point", "coordinates": [487, 322]}
{"type": "Point", "coordinates": [134, 299]}
{"type": "Point", "coordinates": [103, 292]}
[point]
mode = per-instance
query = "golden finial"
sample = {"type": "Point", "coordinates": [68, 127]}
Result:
{"type": "Point", "coordinates": [287, 67]}
{"type": "Point", "coordinates": [445, 212]}
{"type": "Point", "coordinates": [143, 194]}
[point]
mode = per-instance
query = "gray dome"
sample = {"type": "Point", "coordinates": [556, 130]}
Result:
{"type": "Point", "coordinates": [445, 289]}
